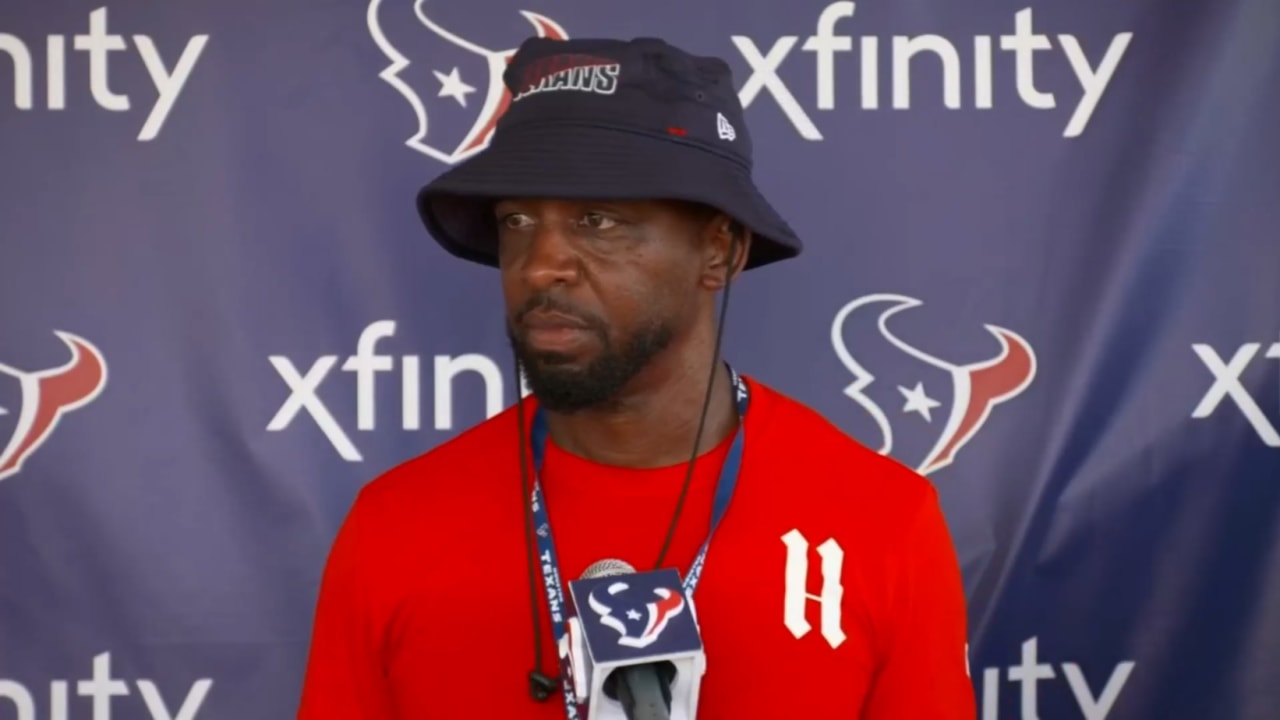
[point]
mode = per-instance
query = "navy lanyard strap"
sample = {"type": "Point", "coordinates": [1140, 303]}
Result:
{"type": "Point", "coordinates": [542, 524]}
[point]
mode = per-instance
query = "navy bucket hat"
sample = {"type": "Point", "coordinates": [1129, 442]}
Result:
{"type": "Point", "coordinates": [604, 119]}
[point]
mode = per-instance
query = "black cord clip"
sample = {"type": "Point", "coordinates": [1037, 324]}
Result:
{"type": "Point", "coordinates": [540, 686]}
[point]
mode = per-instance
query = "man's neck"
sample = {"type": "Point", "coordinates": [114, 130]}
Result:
{"type": "Point", "coordinates": [653, 427]}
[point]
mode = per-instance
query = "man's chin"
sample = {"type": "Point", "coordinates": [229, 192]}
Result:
{"type": "Point", "coordinates": [555, 363]}
{"type": "Point", "coordinates": [566, 391]}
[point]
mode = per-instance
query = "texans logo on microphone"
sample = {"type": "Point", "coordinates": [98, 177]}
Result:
{"type": "Point", "coordinates": [924, 409]}
{"type": "Point", "coordinates": [639, 621]}
{"type": "Point", "coordinates": [32, 403]}
{"type": "Point", "coordinates": [460, 79]}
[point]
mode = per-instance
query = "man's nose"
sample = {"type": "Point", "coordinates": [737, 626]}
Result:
{"type": "Point", "coordinates": [550, 258]}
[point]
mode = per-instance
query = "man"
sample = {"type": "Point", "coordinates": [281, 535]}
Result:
{"type": "Point", "coordinates": [616, 201]}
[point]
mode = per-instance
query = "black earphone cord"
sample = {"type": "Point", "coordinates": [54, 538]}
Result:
{"type": "Point", "coordinates": [541, 685]}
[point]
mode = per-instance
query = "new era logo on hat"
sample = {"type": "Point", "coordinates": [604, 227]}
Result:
{"type": "Point", "coordinates": [724, 129]}
{"type": "Point", "coordinates": [609, 119]}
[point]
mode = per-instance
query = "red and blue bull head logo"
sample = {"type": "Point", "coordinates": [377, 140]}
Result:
{"type": "Point", "coordinates": [33, 403]}
{"type": "Point", "coordinates": [639, 621]}
{"type": "Point", "coordinates": [459, 79]}
{"type": "Point", "coordinates": [924, 409]}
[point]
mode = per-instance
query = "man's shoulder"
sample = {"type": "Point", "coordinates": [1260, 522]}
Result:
{"type": "Point", "coordinates": [832, 464]}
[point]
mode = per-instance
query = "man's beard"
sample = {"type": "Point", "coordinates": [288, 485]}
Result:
{"type": "Point", "coordinates": [565, 389]}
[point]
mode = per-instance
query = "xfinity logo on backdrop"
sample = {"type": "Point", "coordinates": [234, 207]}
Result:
{"type": "Point", "coordinates": [1027, 674]}
{"type": "Point", "coordinates": [966, 66]}
{"type": "Point", "coordinates": [169, 79]}
{"type": "Point", "coordinates": [1226, 384]}
{"type": "Point", "coordinates": [103, 689]}
{"type": "Point", "coordinates": [365, 367]}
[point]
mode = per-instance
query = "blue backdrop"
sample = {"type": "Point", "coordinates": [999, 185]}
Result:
{"type": "Point", "coordinates": [1043, 268]}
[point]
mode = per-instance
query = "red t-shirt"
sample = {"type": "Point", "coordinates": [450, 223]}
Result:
{"type": "Point", "coordinates": [424, 608]}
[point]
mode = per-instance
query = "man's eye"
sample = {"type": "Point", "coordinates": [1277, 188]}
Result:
{"type": "Point", "coordinates": [596, 221]}
{"type": "Point", "coordinates": [515, 220]}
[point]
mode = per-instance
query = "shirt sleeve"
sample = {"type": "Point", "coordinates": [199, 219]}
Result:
{"type": "Point", "coordinates": [344, 677]}
{"type": "Point", "coordinates": [924, 669]}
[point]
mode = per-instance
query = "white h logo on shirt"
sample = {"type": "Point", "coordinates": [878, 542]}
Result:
{"type": "Point", "coordinates": [796, 581]}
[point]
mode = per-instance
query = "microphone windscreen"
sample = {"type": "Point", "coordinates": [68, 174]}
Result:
{"type": "Point", "coordinates": [607, 568]}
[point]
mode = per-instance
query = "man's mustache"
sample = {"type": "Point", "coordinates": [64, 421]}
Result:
{"type": "Point", "coordinates": [549, 303]}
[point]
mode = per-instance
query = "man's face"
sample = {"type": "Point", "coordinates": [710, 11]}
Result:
{"type": "Point", "coordinates": [595, 290]}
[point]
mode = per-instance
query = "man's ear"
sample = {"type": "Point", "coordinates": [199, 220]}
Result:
{"type": "Point", "coordinates": [728, 244]}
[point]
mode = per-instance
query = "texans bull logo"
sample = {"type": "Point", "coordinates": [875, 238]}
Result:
{"type": "Point", "coordinates": [635, 628]}
{"type": "Point", "coordinates": [463, 115]}
{"type": "Point", "coordinates": [29, 416]}
{"type": "Point", "coordinates": [937, 405]}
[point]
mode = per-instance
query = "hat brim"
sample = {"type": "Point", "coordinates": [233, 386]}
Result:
{"type": "Point", "coordinates": [593, 163]}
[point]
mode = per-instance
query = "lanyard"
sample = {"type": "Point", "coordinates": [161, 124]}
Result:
{"type": "Point", "coordinates": [542, 523]}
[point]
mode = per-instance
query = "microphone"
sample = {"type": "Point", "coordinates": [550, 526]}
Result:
{"type": "Point", "coordinates": [635, 651]}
